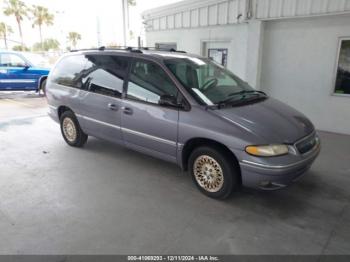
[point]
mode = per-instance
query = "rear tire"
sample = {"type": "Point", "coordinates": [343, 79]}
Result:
{"type": "Point", "coordinates": [71, 130]}
{"type": "Point", "coordinates": [214, 172]}
{"type": "Point", "coordinates": [43, 87]}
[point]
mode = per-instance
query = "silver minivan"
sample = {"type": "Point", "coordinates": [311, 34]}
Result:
{"type": "Point", "coordinates": [185, 109]}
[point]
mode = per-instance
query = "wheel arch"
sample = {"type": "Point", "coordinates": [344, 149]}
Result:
{"type": "Point", "coordinates": [41, 80]}
{"type": "Point", "coordinates": [193, 143]}
{"type": "Point", "coordinates": [62, 109]}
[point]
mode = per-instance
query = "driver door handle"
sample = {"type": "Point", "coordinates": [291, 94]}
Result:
{"type": "Point", "coordinates": [113, 107]}
{"type": "Point", "coordinates": [127, 110]}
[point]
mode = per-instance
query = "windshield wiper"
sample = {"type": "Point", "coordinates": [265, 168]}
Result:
{"type": "Point", "coordinates": [243, 92]}
{"type": "Point", "coordinates": [247, 92]}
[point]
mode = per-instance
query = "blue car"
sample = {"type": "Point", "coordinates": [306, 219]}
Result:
{"type": "Point", "coordinates": [18, 73]}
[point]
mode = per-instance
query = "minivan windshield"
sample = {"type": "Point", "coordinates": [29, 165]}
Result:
{"type": "Point", "coordinates": [210, 83]}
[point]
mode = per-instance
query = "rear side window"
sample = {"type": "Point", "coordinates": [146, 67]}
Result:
{"type": "Point", "coordinates": [70, 71]}
{"type": "Point", "coordinates": [104, 74]}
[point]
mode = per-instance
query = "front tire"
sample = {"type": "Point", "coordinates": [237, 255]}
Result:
{"type": "Point", "coordinates": [71, 130]}
{"type": "Point", "coordinates": [213, 172]}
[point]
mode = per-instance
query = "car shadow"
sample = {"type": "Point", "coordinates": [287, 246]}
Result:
{"type": "Point", "coordinates": [285, 203]}
{"type": "Point", "coordinates": [20, 94]}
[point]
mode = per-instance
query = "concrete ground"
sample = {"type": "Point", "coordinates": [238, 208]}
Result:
{"type": "Point", "coordinates": [104, 199]}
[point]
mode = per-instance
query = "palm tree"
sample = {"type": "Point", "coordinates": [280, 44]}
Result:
{"type": "Point", "coordinates": [74, 37]}
{"type": "Point", "coordinates": [5, 30]}
{"type": "Point", "coordinates": [41, 16]}
{"type": "Point", "coordinates": [46, 45]}
{"type": "Point", "coordinates": [19, 10]}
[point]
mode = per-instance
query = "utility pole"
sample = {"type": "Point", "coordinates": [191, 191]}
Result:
{"type": "Point", "coordinates": [124, 21]}
{"type": "Point", "coordinates": [98, 31]}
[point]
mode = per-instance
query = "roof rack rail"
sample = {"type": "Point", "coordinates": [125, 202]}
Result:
{"type": "Point", "coordinates": [103, 48]}
{"type": "Point", "coordinates": [129, 48]}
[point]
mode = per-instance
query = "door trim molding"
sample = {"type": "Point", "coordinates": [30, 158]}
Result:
{"type": "Point", "coordinates": [130, 131]}
{"type": "Point", "coordinates": [17, 81]}
{"type": "Point", "coordinates": [98, 121]}
{"type": "Point", "coordinates": [155, 138]}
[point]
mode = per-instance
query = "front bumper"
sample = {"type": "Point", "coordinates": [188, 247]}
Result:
{"type": "Point", "coordinates": [271, 176]}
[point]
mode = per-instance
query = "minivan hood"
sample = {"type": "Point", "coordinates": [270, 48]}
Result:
{"type": "Point", "coordinates": [272, 120]}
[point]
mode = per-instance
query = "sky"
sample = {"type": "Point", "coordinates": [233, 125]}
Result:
{"type": "Point", "coordinates": [83, 17]}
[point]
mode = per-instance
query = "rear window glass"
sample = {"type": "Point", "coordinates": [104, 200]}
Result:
{"type": "Point", "coordinates": [70, 71]}
{"type": "Point", "coordinates": [104, 74]}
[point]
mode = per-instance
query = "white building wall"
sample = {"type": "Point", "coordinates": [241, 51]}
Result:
{"type": "Point", "coordinates": [192, 41]}
{"type": "Point", "coordinates": [273, 9]}
{"type": "Point", "coordinates": [196, 13]}
{"type": "Point", "coordinates": [298, 67]}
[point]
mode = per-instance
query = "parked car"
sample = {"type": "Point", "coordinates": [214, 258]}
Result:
{"type": "Point", "coordinates": [21, 72]}
{"type": "Point", "coordinates": [184, 109]}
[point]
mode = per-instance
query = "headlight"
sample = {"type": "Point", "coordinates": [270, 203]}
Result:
{"type": "Point", "coordinates": [269, 150]}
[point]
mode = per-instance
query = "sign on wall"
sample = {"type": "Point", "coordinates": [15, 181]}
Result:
{"type": "Point", "coordinates": [166, 46]}
{"type": "Point", "coordinates": [219, 55]}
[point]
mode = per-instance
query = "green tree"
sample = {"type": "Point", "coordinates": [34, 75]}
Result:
{"type": "Point", "coordinates": [20, 48]}
{"type": "Point", "coordinates": [41, 17]}
{"type": "Point", "coordinates": [73, 38]}
{"type": "Point", "coordinates": [19, 10]}
{"type": "Point", "coordinates": [132, 2]}
{"type": "Point", "coordinates": [5, 31]}
{"type": "Point", "coordinates": [46, 45]}
{"type": "Point", "coordinates": [131, 34]}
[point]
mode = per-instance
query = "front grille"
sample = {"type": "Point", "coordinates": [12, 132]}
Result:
{"type": "Point", "coordinates": [307, 144]}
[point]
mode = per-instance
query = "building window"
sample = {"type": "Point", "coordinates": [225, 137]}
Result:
{"type": "Point", "coordinates": [342, 84]}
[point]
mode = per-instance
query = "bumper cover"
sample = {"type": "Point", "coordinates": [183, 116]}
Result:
{"type": "Point", "coordinates": [53, 114]}
{"type": "Point", "coordinates": [273, 177]}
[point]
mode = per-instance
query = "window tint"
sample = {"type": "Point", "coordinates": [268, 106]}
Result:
{"type": "Point", "coordinates": [342, 85]}
{"type": "Point", "coordinates": [70, 71]}
{"type": "Point", "coordinates": [207, 81]}
{"type": "Point", "coordinates": [11, 60]}
{"type": "Point", "coordinates": [105, 74]}
{"type": "Point", "coordinates": [148, 82]}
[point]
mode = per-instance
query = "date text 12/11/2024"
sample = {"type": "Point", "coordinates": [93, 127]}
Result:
{"type": "Point", "coordinates": [203, 258]}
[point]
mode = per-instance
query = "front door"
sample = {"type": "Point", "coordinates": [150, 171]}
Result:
{"type": "Point", "coordinates": [100, 98]}
{"type": "Point", "coordinates": [15, 73]}
{"type": "Point", "coordinates": [146, 125]}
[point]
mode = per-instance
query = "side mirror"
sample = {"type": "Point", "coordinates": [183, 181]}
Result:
{"type": "Point", "coordinates": [169, 100]}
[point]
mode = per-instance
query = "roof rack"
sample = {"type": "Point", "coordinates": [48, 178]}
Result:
{"type": "Point", "coordinates": [128, 48]}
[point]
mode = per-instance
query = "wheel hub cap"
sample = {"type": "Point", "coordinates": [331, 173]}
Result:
{"type": "Point", "coordinates": [208, 173]}
{"type": "Point", "coordinates": [69, 129]}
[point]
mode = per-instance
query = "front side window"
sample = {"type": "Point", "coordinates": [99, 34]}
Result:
{"type": "Point", "coordinates": [104, 74]}
{"type": "Point", "coordinates": [70, 71]}
{"type": "Point", "coordinates": [210, 83]}
{"type": "Point", "coordinates": [12, 60]}
{"type": "Point", "coordinates": [148, 82]}
{"type": "Point", "coordinates": [342, 85]}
